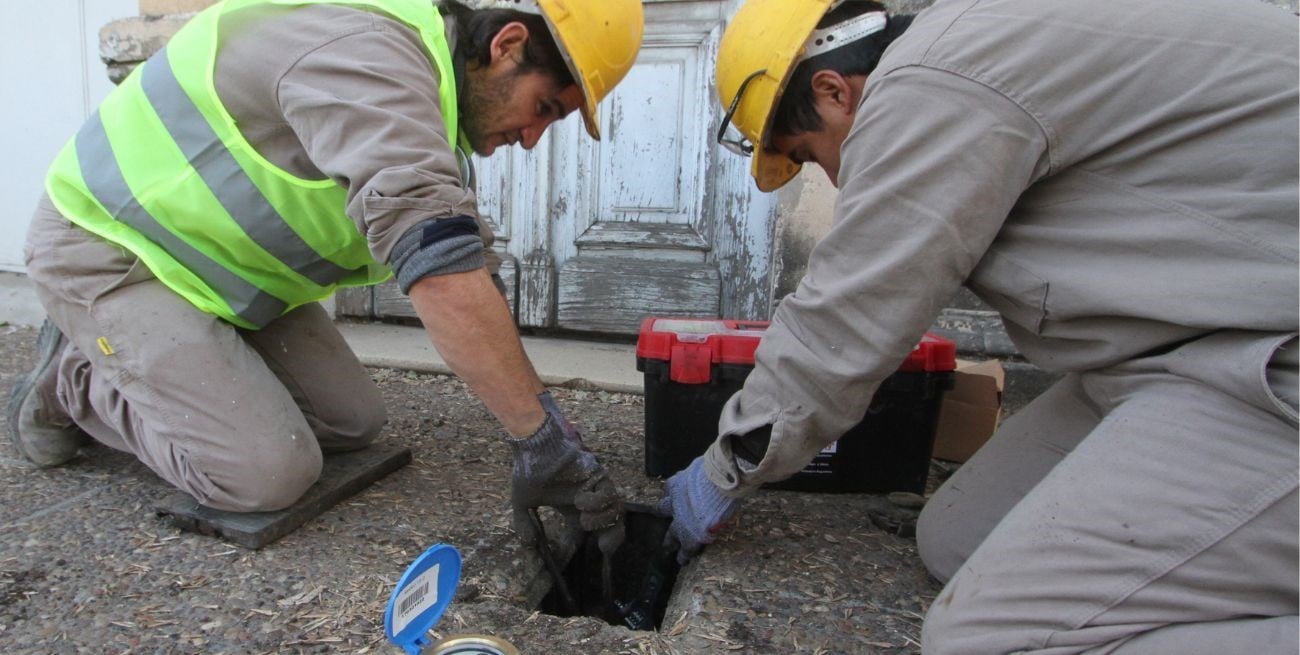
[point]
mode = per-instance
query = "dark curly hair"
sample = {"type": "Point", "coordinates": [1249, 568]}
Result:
{"type": "Point", "coordinates": [478, 28]}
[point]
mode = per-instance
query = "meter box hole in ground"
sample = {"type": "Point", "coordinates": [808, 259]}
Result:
{"type": "Point", "coordinates": [692, 366]}
{"type": "Point", "coordinates": [644, 572]}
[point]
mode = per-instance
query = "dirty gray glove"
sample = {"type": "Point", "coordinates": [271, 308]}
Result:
{"type": "Point", "coordinates": [553, 468]}
{"type": "Point", "coordinates": [698, 507]}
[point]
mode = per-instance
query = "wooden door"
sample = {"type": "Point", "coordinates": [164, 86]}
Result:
{"type": "Point", "coordinates": [655, 219]}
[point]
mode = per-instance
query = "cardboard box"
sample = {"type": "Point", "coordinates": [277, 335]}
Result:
{"type": "Point", "coordinates": [970, 410]}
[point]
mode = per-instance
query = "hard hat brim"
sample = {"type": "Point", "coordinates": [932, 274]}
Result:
{"type": "Point", "coordinates": [772, 170]}
{"type": "Point", "coordinates": [599, 41]}
{"type": "Point", "coordinates": [590, 114]}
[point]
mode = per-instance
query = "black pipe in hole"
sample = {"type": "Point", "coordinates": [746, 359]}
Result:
{"type": "Point", "coordinates": [643, 575]}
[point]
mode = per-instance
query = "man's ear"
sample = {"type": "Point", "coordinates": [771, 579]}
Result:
{"type": "Point", "coordinates": [508, 44]}
{"type": "Point", "coordinates": [833, 90]}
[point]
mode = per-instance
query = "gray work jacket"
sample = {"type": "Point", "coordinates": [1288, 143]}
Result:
{"type": "Point", "coordinates": [339, 92]}
{"type": "Point", "coordinates": [1117, 178]}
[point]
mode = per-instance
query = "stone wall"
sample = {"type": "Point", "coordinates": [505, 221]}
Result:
{"type": "Point", "coordinates": [126, 42]}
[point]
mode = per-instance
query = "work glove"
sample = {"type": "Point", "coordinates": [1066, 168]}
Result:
{"type": "Point", "coordinates": [553, 468]}
{"type": "Point", "coordinates": [698, 508]}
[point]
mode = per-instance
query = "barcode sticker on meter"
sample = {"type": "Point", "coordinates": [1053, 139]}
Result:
{"type": "Point", "coordinates": [416, 597]}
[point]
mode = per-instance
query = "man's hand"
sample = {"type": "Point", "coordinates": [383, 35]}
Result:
{"type": "Point", "coordinates": [698, 507]}
{"type": "Point", "coordinates": [553, 468]}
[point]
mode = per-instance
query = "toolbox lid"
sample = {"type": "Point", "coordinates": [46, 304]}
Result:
{"type": "Point", "coordinates": [692, 345]}
{"type": "Point", "coordinates": [421, 596]}
{"type": "Point", "coordinates": [728, 342]}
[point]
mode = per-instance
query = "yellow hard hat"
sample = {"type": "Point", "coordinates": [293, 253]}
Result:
{"type": "Point", "coordinates": [599, 40]}
{"type": "Point", "coordinates": [757, 55]}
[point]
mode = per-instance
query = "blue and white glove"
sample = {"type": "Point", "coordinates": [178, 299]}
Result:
{"type": "Point", "coordinates": [698, 507]}
{"type": "Point", "coordinates": [553, 468]}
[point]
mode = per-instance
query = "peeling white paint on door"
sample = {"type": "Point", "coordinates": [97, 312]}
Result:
{"type": "Point", "coordinates": [654, 219]}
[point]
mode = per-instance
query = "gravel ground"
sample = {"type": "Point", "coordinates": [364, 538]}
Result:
{"type": "Point", "coordinates": [86, 566]}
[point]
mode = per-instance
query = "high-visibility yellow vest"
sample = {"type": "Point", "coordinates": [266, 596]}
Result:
{"type": "Point", "coordinates": [162, 170]}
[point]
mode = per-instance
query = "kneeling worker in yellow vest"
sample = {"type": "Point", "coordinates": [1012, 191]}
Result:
{"type": "Point", "coordinates": [273, 152]}
{"type": "Point", "coordinates": [1117, 178]}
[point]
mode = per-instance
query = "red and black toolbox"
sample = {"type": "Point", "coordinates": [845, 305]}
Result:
{"type": "Point", "coordinates": [692, 366]}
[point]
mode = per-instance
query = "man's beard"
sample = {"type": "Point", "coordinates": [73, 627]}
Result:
{"type": "Point", "coordinates": [482, 105]}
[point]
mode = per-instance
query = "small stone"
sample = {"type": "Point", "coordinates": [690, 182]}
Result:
{"type": "Point", "coordinates": [906, 499]}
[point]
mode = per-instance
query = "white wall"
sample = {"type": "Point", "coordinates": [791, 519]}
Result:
{"type": "Point", "coordinates": [53, 81]}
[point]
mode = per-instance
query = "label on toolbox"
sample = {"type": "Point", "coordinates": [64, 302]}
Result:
{"type": "Point", "coordinates": [824, 462]}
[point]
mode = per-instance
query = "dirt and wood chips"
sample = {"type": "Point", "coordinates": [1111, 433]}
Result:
{"type": "Point", "coordinates": [86, 565]}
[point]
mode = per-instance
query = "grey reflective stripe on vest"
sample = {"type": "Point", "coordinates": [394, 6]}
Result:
{"type": "Point", "coordinates": [227, 179]}
{"type": "Point", "coordinates": [100, 171]}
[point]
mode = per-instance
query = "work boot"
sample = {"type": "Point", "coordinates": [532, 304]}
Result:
{"type": "Point", "coordinates": [38, 427]}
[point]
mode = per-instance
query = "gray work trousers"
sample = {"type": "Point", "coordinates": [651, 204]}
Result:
{"type": "Point", "coordinates": [1124, 511]}
{"type": "Point", "coordinates": [237, 418]}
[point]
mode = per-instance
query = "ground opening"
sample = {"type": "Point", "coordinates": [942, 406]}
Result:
{"type": "Point", "coordinates": [642, 574]}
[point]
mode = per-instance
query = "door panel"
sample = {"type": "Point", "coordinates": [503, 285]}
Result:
{"type": "Point", "coordinates": [654, 219]}
{"type": "Point", "coordinates": [603, 295]}
{"type": "Point", "coordinates": [653, 146]}
{"type": "Point", "coordinates": [644, 235]}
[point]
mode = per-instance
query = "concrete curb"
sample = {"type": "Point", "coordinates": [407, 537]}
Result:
{"type": "Point", "coordinates": [559, 362]}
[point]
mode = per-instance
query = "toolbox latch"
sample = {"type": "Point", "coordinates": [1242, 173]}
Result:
{"type": "Point", "coordinates": [691, 363]}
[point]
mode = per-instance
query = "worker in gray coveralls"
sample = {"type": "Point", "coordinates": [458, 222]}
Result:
{"type": "Point", "coordinates": [274, 151]}
{"type": "Point", "coordinates": [1118, 178]}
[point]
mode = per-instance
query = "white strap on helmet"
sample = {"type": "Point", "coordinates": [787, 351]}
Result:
{"type": "Point", "coordinates": [842, 34]}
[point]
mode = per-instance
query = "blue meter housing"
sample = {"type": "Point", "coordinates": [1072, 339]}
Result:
{"type": "Point", "coordinates": [421, 596]}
